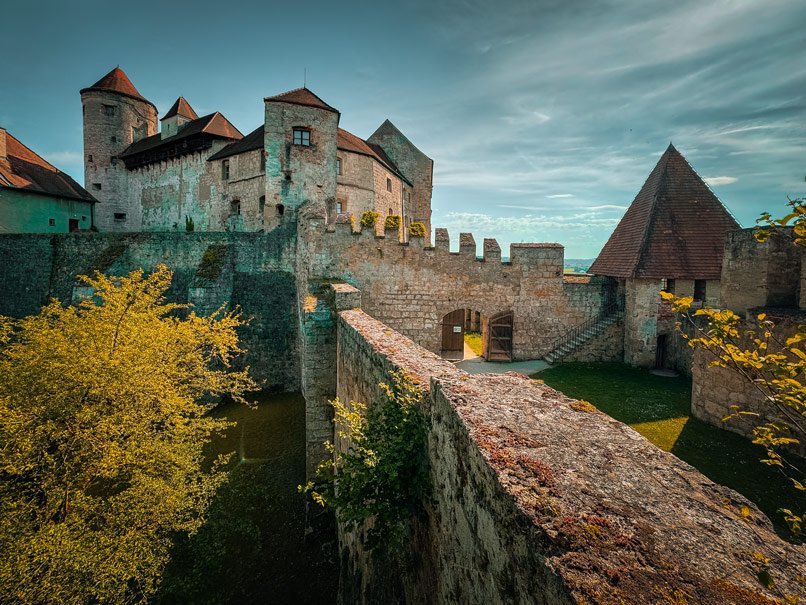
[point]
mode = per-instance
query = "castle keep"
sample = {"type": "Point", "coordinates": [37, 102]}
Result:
{"type": "Point", "coordinates": [187, 172]}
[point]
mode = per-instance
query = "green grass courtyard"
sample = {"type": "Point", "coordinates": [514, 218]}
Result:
{"type": "Point", "coordinates": [659, 408]}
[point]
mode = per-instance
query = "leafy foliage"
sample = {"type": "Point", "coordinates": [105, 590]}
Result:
{"type": "Point", "coordinates": [369, 218]}
{"type": "Point", "coordinates": [383, 475]}
{"type": "Point", "coordinates": [774, 365]}
{"type": "Point", "coordinates": [102, 423]}
{"type": "Point", "coordinates": [417, 230]}
{"type": "Point", "coordinates": [392, 222]}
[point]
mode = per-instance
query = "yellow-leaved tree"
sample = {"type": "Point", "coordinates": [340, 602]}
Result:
{"type": "Point", "coordinates": [103, 417]}
{"type": "Point", "coordinates": [773, 364]}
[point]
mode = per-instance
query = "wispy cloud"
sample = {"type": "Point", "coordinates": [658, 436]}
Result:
{"type": "Point", "coordinates": [716, 181]}
{"type": "Point", "coordinates": [559, 195]}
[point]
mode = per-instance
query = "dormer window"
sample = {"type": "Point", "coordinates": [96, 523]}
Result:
{"type": "Point", "coordinates": [225, 170]}
{"type": "Point", "coordinates": [302, 136]}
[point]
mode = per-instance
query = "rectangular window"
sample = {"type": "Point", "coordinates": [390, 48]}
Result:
{"type": "Point", "coordinates": [261, 205]}
{"type": "Point", "coordinates": [262, 160]}
{"type": "Point", "coordinates": [120, 216]}
{"type": "Point", "coordinates": [302, 136]}
{"type": "Point", "coordinates": [96, 186]}
{"type": "Point", "coordinates": [51, 222]}
{"type": "Point", "coordinates": [235, 207]}
{"type": "Point", "coordinates": [388, 184]}
{"type": "Point", "coordinates": [668, 286]}
{"type": "Point", "coordinates": [338, 166]}
{"type": "Point", "coordinates": [89, 158]}
{"type": "Point", "coordinates": [339, 207]}
{"type": "Point", "coordinates": [225, 170]}
{"type": "Point", "coordinates": [109, 110]}
{"type": "Point", "coordinates": [699, 289]}
{"type": "Point", "coordinates": [114, 139]}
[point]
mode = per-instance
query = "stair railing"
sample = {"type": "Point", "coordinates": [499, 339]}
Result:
{"type": "Point", "coordinates": [612, 310]}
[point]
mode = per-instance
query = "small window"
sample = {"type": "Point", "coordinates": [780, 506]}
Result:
{"type": "Point", "coordinates": [51, 222]}
{"type": "Point", "coordinates": [668, 286]}
{"type": "Point", "coordinates": [338, 166]}
{"type": "Point", "coordinates": [699, 289]}
{"type": "Point", "coordinates": [110, 110]}
{"type": "Point", "coordinates": [261, 205]}
{"type": "Point", "coordinates": [113, 161]}
{"type": "Point", "coordinates": [262, 161]}
{"type": "Point", "coordinates": [83, 218]}
{"type": "Point", "coordinates": [235, 207]}
{"type": "Point", "coordinates": [389, 186]}
{"type": "Point", "coordinates": [96, 186]}
{"type": "Point", "coordinates": [391, 211]}
{"type": "Point", "coordinates": [114, 139]}
{"type": "Point", "coordinates": [89, 158]}
{"type": "Point", "coordinates": [280, 209]}
{"type": "Point", "coordinates": [225, 170]}
{"type": "Point", "coordinates": [339, 207]}
{"type": "Point", "coordinates": [302, 136]}
{"type": "Point", "coordinates": [120, 216]}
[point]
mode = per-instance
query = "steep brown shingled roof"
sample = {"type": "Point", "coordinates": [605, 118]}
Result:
{"type": "Point", "coordinates": [117, 81]}
{"type": "Point", "coordinates": [675, 228]}
{"type": "Point", "coordinates": [349, 142]}
{"type": "Point", "coordinates": [215, 125]}
{"type": "Point", "coordinates": [25, 170]}
{"type": "Point", "coordinates": [180, 108]}
{"type": "Point", "coordinates": [301, 96]}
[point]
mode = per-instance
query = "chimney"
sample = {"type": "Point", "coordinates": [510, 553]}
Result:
{"type": "Point", "coordinates": [3, 143]}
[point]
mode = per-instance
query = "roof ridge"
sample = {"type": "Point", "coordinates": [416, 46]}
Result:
{"type": "Point", "coordinates": [663, 164]}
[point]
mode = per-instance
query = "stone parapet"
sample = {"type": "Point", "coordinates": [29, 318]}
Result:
{"type": "Point", "coordinates": [539, 498]}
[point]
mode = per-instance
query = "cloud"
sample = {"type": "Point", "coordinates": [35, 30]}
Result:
{"type": "Point", "coordinates": [716, 181]}
{"type": "Point", "coordinates": [559, 195]}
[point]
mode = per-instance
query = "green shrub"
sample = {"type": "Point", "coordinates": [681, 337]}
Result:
{"type": "Point", "coordinates": [416, 230]}
{"type": "Point", "coordinates": [392, 222]}
{"type": "Point", "coordinates": [369, 218]}
{"type": "Point", "coordinates": [384, 474]}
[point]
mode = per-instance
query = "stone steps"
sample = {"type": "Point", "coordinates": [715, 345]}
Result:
{"type": "Point", "coordinates": [573, 344]}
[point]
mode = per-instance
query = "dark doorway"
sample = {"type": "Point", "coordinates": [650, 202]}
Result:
{"type": "Point", "coordinates": [72, 224]}
{"type": "Point", "coordinates": [453, 335]}
{"type": "Point", "coordinates": [499, 335]}
{"type": "Point", "coordinates": [661, 352]}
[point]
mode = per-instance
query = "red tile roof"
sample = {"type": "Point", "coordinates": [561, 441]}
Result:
{"type": "Point", "coordinates": [117, 81]}
{"type": "Point", "coordinates": [349, 142]}
{"type": "Point", "coordinates": [301, 96]}
{"type": "Point", "coordinates": [25, 170]}
{"type": "Point", "coordinates": [180, 108]}
{"type": "Point", "coordinates": [675, 228]}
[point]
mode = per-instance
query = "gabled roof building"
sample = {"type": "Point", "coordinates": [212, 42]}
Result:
{"type": "Point", "coordinates": [37, 197]}
{"type": "Point", "coordinates": [202, 173]}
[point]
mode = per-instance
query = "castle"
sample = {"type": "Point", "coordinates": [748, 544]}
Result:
{"type": "Point", "coordinates": [201, 173]}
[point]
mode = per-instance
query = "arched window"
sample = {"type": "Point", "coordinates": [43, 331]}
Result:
{"type": "Point", "coordinates": [280, 209]}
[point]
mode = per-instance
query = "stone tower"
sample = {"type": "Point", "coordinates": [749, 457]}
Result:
{"type": "Point", "coordinates": [115, 116]}
{"type": "Point", "coordinates": [414, 164]}
{"type": "Point", "coordinates": [300, 147]}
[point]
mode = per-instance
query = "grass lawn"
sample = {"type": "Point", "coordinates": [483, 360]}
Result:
{"type": "Point", "coordinates": [473, 340]}
{"type": "Point", "coordinates": [659, 408]}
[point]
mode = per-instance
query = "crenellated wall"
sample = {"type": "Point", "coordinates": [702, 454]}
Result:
{"type": "Point", "coordinates": [538, 498]}
{"type": "Point", "coordinates": [412, 287]}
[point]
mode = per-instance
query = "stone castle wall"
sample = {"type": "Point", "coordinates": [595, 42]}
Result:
{"type": "Point", "coordinates": [538, 499]}
{"type": "Point", "coordinates": [411, 287]}
{"type": "Point", "coordinates": [252, 271]}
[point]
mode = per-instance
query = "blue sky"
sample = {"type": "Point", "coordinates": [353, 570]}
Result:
{"type": "Point", "coordinates": [544, 118]}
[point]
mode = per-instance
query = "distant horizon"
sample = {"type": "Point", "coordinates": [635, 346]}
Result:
{"type": "Point", "coordinates": [538, 133]}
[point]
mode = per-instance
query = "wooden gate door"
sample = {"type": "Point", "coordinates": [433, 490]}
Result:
{"type": "Point", "coordinates": [453, 335]}
{"type": "Point", "coordinates": [499, 337]}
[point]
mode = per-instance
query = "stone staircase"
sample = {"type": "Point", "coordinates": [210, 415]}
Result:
{"type": "Point", "coordinates": [585, 332]}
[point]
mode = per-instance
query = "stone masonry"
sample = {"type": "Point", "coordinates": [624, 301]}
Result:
{"type": "Point", "coordinates": [539, 498]}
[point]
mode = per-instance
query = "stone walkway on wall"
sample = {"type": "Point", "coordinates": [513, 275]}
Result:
{"type": "Point", "coordinates": [478, 365]}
